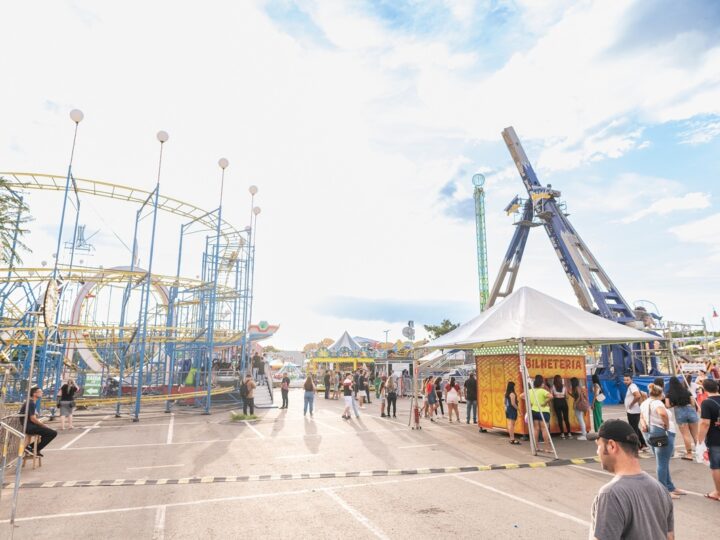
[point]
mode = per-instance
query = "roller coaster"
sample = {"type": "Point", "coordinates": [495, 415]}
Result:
{"type": "Point", "coordinates": [126, 333]}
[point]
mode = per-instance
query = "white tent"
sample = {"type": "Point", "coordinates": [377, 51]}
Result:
{"type": "Point", "coordinates": [529, 317]}
{"type": "Point", "coordinates": [535, 318]}
{"type": "Point", "coordinates": [345, 341]}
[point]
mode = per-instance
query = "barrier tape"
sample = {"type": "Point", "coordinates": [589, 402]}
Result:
{"type": "Point", "coordinates": [300, 476]}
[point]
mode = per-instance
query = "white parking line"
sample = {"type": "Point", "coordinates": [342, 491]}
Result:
{"type": "Point", "coordinates": [154, 467]}
{"type": "Point", "coordinates": [171, 428]}
{"type": "Point", "coordinates": [356, 514]}
{"type": "Point", "coordinates": [610, 474]}
{"type": "Point", "coordinates": [330, 427]}
{"type": "Point", "coordinates": [260, 435]}
{"type": "Point", "coordinates": [417, 446]}
{"type": "Point", "coordinates": [219, 499]}
{"type": "Point", "coordinates": [159, 531]}
{"type": "Point", "coordinates": [96, 424]}
{"type": "Point", "coordinates": [525, 501]}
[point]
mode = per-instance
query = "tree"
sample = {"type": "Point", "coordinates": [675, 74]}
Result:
{"type": "Point", "coordinates": [13, 217]}
{"type": "Point", "coordinates": [327, 342]}
{"type": "Point", "coordinates": [438, 330]}
{"type": "Point", "coordinates": [269, 348]}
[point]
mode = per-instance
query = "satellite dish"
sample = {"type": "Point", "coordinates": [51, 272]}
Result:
{"type": "Point", "coordinates": [408, 333]}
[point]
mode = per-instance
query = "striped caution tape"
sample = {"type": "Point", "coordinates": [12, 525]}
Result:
{"type": "Point", "coordinates": [301, 476]}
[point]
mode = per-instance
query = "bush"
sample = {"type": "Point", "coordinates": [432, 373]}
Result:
{"type": "Point", "coordinates": [240, 417]}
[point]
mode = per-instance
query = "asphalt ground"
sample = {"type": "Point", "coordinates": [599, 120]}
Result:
{"type": "Point", "coordinates": [185, 475]}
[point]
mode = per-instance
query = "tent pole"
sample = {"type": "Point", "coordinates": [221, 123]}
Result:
{"type": "Point", "coordinates": [526, 391]}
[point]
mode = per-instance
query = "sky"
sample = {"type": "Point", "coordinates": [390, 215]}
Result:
{"type": "Point", "coordinates": [362, 123]}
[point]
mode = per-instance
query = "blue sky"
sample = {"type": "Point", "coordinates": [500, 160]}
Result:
{"type": "Point", "coordinates": [363, 122]}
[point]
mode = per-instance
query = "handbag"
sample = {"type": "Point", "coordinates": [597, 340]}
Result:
{"type": "Point", "coordinates": [600, 398]}
{"type": "Point", "coordinates": [658, 440]}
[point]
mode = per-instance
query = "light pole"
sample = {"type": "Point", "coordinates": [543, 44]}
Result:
{"type": "Point", "coordinates": [162, 138]}
{"type": "Point", "coordinates": [246, 286]}
{"type": "Point", "coordinates": [223, 163]}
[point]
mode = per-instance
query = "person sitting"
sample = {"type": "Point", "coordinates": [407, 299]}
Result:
{"type": "Point", "coordinates": [33, 425]}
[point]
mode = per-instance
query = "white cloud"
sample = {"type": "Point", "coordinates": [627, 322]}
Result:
{"type": "Point", "coordinates": [701, 231]}
{"type": "Point", "coordinates": [700, 132]}
{"type": "Point", "coordinates": [349, 143]}
{"type": "Point", "coordinates": [667, 205]}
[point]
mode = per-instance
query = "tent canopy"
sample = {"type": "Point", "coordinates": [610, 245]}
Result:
{"type": "Point", "coordinates": [345, 341]}
{"type": "Point", "coordinates": [539, 320]}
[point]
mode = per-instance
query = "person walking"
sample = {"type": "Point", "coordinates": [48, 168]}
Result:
{"type": "Point", "coordinates": [284, 390]}
{"type": "Point", "coordinates": [598, 398]}
{"type": "Point", "coordinates": [367, 386]}
{"type": "Point", "coordinates": [360, 388]}
{"type": "Point", "coordinates": [391, 395]}
{"type": "Point", "coordinates": [66, 402]}
{"type": "Point", "coordinates": [633, 399]}
{"type": "Point", "coordinates": [439, 395]}
{"type": "Point", "coordinates": [326, 382]}
{"type": "Point", "coordinates": [381, 394]}
{"type": "Point", "coordinates": [249, 395]}
{"type": "Point", "coordinates": [32, 424]}
{"type": "Point", "coordinates": [580, 405]}
{"type": "Point", "coordinates": [684, 407]}
{"type": "Point", "coordinates": [709, 432]}
{"type": "Point", "coordinates": [348, 391]}
{"type": "Point", "coordinates": [511, 410]}
{"type": "Point", "coordinates": [632, 505]}
{"type": "Point", "coordinates": [256, 361]}
{"type": "Point", "coordinates": [452, 390]}
{"type": "Point", "coordinates": [431, 398]}
{"type": "Point", "coordinates": [560, 405]}
{"type": "Point", "coordinates": [655, 422]}
{"type": "Point", "coordinates": [309, 398]}
{"type": "Point", "coordinates": [540, 412]}
{"type": "Point", "coordinates": [471, 404]}
{"type": "Point", "coordinates": [336, 383]}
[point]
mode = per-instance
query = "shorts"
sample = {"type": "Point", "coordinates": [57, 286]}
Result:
{"type": "Point", "coordinates": [432, 399]}
{"type": "Point", "coordinates": [686, 415]}
{"type": "Point", "coordinates": [545, 415]}
{"type": "Point", "coordinates": [510, 413]}
{"type": "Point", "coordinates": [348, 401]}
{"type": "Point", "coordinates": [714, 453]}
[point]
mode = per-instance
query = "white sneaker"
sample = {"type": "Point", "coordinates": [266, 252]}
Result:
{"type": "Point", "coordinates": [581, 438]}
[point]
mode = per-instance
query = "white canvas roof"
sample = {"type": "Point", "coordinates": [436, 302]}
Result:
{"type": "Point", "coordinates": [345, 341]}
{"type": "Point", "coordinates": [540, 320]}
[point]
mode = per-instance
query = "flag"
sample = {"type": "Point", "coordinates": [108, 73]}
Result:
{"type": "Point", "coordinates": [715, 313]}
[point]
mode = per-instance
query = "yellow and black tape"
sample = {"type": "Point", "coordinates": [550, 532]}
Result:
{"type": "Point", "coordinates": [300, 476]}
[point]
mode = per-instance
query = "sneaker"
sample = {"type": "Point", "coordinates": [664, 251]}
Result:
{"type": "Point", "coordinates": [562, 436]}
{"type": "Point", "coordinates": [581, 438]}
{"type": "Point", "coordinates": [570, 437]}
{"type": "Point", "coordinates": [382, 415]}
{"type": "Point", "coordinates": [394, 416]}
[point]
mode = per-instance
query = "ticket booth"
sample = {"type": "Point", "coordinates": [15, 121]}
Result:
{"type": "Point", "coordinates": [495, 370]}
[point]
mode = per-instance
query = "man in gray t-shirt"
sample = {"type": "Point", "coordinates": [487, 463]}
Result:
{"type": "Point", "coordinates": [633, 505]}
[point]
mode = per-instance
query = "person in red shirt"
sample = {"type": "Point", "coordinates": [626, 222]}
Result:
{"type": "Point", "coordinates": [452, 396]}
{"type": "Point", "coordinates": [430, 398]}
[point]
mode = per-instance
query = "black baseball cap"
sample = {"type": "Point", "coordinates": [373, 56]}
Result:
{"type": "Point", "coordinates": [616, 430]}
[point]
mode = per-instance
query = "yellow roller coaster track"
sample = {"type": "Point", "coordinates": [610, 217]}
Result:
{"type": "Point", "coordinates": [51, 182]}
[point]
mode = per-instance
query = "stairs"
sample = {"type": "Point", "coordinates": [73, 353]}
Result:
{"type": "Point", "coordinates": [263, 397]}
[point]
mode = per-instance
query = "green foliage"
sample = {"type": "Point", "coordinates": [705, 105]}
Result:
{"type": "Point", "coordinates": [239, 417]}
{"type": "Point", "coordinates": [443, 328]}
{"type": "Point", "coordinates": [13, 217]}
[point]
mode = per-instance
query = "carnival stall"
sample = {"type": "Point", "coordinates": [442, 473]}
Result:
{"type": "Point", "coordinates": [527, 334]}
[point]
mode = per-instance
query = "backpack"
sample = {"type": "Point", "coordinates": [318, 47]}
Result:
{"type": "Point", "coordinates": [244, 390]}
